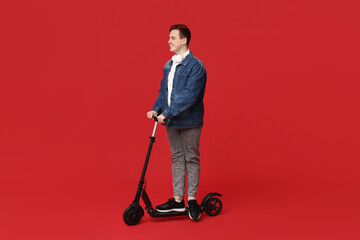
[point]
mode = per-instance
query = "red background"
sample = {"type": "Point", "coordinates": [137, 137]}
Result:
{"type": "Point", "coordinates": [281, 133]}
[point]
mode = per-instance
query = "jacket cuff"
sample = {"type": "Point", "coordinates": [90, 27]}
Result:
{"type": "Point", "coordinates": [166, 114]}
{"type": "Point", "coordinates": [158, 110]}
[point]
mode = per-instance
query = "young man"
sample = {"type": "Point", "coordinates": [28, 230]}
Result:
{"type": "Point", "coordinates": [180, 107]}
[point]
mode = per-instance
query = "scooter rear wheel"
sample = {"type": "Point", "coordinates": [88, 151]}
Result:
{"type": "Point", "coordinates": [133, 214]}
{"type": "Point", "coordinates": [213, 206]}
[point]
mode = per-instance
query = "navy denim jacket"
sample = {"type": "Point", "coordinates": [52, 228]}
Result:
{"type": "Point", "coordinates": [187, 108]}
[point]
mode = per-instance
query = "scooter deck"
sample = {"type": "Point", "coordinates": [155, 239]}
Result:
{"type": "Point", "coordinates": [155, 214]}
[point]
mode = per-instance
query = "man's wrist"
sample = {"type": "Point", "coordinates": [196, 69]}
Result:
{"type": "Point", "coordinates": [166, 114]}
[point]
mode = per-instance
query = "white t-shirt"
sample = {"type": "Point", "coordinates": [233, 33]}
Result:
{"type": "Point", "coordinates": [177, 59]}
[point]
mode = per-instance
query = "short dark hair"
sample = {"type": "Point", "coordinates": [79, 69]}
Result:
{"type": "Point", "coordinates": [184, 32]}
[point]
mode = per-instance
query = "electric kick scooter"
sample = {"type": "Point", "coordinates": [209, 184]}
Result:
{"type": "Point", "coordinates": [210, 204]}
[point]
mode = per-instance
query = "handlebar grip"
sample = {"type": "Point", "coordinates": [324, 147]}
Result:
{"type": "Point", "coordinates": [155, 118]}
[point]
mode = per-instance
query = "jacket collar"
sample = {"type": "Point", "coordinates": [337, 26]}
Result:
{"type": "Point", "coordinates": [187, 59]}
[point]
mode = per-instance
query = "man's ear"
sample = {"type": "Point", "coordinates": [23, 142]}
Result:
{"type": "Point", "coordinates": [184, 40]}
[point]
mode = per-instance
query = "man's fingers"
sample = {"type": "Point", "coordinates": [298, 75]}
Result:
{"type": "Point", "coordinates": [150, 114]}
{"type": "Point", "coordinates": [161, 119]}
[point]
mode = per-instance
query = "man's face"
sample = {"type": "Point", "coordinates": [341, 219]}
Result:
{"type": "Point", "coordinates": [175, 42]}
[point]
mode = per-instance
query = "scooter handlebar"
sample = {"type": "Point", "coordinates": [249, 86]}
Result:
{"type": "Point", "coordinates": [156, 119]}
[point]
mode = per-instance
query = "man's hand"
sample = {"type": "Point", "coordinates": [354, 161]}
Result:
{"type": "Point", "coordinates": [161, 119]}
{"type": "Point", "coordinates": [151, 114]}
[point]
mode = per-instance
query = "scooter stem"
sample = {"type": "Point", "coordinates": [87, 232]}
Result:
{"type": "Point", "coordinates": [155, 126]}
{"type": "Point", "coordinates": [141, 182]}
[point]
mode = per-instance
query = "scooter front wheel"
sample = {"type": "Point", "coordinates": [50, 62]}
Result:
{"type": "Point", "coordinates": [213, 206]}
{"type": "Point", "coordinates": [133, 214]}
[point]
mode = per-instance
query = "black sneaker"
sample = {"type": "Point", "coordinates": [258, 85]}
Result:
{"type": "Point", "coordinates": [194, 209]}
{"type": "Point", "coordinates": [172, 206]}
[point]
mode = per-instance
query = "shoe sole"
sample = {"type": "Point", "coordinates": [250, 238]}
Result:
{"type": "Point", "coordinates": [172, 210]}
{"type": "Point", "coordinates": [196, 218]}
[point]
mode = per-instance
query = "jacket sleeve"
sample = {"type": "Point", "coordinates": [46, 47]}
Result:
{"type": "Point", "coordinates": [188, 96]}
{"type": "Point", "coordinates": [162, 95]}
{"type": "Point", "coordinates": [158, 102]}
